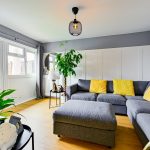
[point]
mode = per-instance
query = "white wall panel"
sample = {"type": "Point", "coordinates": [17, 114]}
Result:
{"type": "Point", "coordinates": [80, 70]}
{"type": "Point", "coordinates": [132, 63]}
{"type": "Point", "coordinates": [111, 64]}
{"type": "Point", "coordinates": [146, 63]}
{"type": "Point", "coordinates": [93, 64]}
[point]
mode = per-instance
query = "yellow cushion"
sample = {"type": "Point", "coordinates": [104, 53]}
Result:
{"type": "Point", "coordinates": [147, 94]}
{"type": "Point", "coordinates": [123, 87]}
{"type": "Point", "coordinates": [98, 86]}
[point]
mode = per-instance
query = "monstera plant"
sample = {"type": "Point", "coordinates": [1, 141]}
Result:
{"type": "Point", "coordinates": [5, 103]}
{"type": "Point", "coordinates": [67, 62]}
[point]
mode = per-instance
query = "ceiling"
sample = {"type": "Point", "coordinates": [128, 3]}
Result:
{"type": "Point", "coordinates": [47, 20]}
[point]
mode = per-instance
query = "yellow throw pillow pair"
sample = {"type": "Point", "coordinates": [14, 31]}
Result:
{"type": "Point", "coordinates": [123, 87]}
{"type": "Point", "coordinates": [98, 86]}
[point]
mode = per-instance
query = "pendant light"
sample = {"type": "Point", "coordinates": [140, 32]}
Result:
{"type": "Point", "coordinates": [75, 26]}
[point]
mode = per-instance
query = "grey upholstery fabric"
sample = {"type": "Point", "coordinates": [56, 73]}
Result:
{"type": "Point", "coordinates": [112, 98]}
{"type": "Point", "coordinates": [139, 87]}
{"type": "Point", "coordinates": [87, 96]}
{"type": "Point", "coordinates": [148, 85]}
{"type": "Point", "coordinates": [134, 98]}
{"type": "Point", "coordinates": [120, 109]}
{"type": "Point", "coordinates": [103, 137]}
{"type": "Point", "coordinates": [110, 87]}
{"type": "Point", "coordinates": [70, 90]}
{"type": "Point", "coordinates": [136, 107]}
{"type": "Point", "coordinates": [87, 114]}
{"type": "Point", "coordinates": [143, 121]}
{"type": "Point", "coordinates": [83, 85]}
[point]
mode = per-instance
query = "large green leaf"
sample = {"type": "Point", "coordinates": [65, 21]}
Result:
{"type": "Point", "coordinates": [6, 93]}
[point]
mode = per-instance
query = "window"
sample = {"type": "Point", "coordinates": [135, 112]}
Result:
{"type": "Point", "coordinates": [30, 63]}
{"type": "Point", "coordinates": [20, 61]}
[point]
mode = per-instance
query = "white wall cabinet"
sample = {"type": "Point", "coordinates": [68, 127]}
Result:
{"type": "Point", "coordinates": [93, 64]}
{"type": "Point", "coordinates": [115, 63]}
{"type": "Point", "coordinates": [111, 64]}
{"type": "Point", "coordinates": [132, 63]}
{"type": "Point", "coordinates": [146, 63]}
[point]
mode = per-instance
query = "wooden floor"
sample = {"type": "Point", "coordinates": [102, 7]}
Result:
{"type": "Point", "coordinates": [39, 117]}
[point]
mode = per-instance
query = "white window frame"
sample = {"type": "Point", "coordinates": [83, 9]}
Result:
{"type": "Point", "coordinates": [25, 50]}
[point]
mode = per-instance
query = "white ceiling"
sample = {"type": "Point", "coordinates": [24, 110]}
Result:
{"type": "Point", "coordinates": [47, 20]}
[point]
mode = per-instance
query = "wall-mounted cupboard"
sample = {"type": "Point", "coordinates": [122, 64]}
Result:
{"type": "Point", "coordinates": [115, 63]}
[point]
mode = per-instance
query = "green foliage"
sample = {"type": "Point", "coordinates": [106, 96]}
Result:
{"type": "Point", "coordinates": [67, 62]}
{"type": "Point", "coordinates": [5, 103]}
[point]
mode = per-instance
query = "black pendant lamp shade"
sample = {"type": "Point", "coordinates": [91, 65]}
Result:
{"type": "Point", "coordinates": [75, 26]}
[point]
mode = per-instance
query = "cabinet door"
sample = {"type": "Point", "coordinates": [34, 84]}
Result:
{"type": "Point", "coordinates": [112, 64]}
{"type": "Point", "coordinates": [80, 70]}
{"type": "Point", "coordinates": [146, 63]}
{"type": "Point", "coordinates": [132, 63]}
{"type": "Point", "coordinates": [1, 67]}
{"type": "Point", "coordinates": [94, 64]}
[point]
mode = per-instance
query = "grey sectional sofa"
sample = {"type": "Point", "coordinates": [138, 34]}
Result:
{"type": "Point", "coordinates": [136, 107]}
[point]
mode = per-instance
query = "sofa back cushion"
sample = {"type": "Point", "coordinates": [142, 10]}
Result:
{"type": "Point", "coordinates": [110, 87]}
{"type": "Point", "coordinates": [140, 87]}
{"type": "Point", "coordinates": [83, 85]}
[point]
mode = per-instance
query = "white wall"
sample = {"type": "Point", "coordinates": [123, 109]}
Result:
{"type": "Point", "coordinates": [115, 63]}
{"type": "Point", "coordinates": [25, 86]}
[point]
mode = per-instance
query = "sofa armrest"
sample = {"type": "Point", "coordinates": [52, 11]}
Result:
{"type": "Point", "coordinates": [70, 90]}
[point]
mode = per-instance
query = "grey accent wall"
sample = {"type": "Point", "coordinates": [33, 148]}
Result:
{"type": "Point", "coordinates": [17, 37]}
{"type": "Point", "coordinates": [113, 41]}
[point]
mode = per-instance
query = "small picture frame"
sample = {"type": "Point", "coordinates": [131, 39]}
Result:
{"type": "Point", "coordinates": [17, 122]}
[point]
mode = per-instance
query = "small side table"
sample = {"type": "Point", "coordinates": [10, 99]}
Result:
{"type": "Point", "coordinates": [24, 138]}
{"type": "Point", "coordinates": [58, 98]}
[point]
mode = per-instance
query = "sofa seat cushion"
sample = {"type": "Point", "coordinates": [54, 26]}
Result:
{"type": "Point", "coordinates": [84, 96]}
{"type": "Point", "coordinates": [136, 107]}
{"type": "Point", "coordinates": [87, 113]}
{"type": "Point", "coordinates": [143, 121]}
{"type": "Point", "coordinates": [112, 98]}
{"type": "Point", "coordinates": [134, 98]}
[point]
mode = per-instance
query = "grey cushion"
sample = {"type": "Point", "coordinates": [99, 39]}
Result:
{"type": "Point", "coordinates": [134, 98]}
{"type": "Point", "coordinates": [84, 96]}
{"type": "Point", "coordinates": [139, 87]}
{"type": "Point", "coordinates": [143, 121]}
{"type": "Point", "coordinates": [83, 85]}
{"type": "Point", "coordinates": [110, 87]}
{"type": "Point", "coordinates": [136, 107]}
{"type": "Point", "coordinates": [88, 114]}
{"type": "Point", "coordinates": [112, 98]}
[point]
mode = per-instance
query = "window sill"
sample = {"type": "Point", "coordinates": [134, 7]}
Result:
{"type": "Point", "coordinates": [21, 76]}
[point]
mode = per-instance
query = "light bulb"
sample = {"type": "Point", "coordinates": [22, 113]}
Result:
{"type": "Point", "coordinates": [75, 26]}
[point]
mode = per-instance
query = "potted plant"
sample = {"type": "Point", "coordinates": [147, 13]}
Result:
{"type": "Point", "coordinates": [67, 62]}
{"type": "Point", "coordinates": [5, 103]}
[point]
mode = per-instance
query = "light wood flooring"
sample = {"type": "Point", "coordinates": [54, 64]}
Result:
{"type": "Point", "coordinates": [39, 117]}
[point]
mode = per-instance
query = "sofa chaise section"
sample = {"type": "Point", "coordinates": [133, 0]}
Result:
{"type": "Point", "coordinates": [139, 114]}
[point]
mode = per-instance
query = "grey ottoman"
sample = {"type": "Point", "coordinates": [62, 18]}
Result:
{"type": "Point", "coordinates": [86, 120]}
